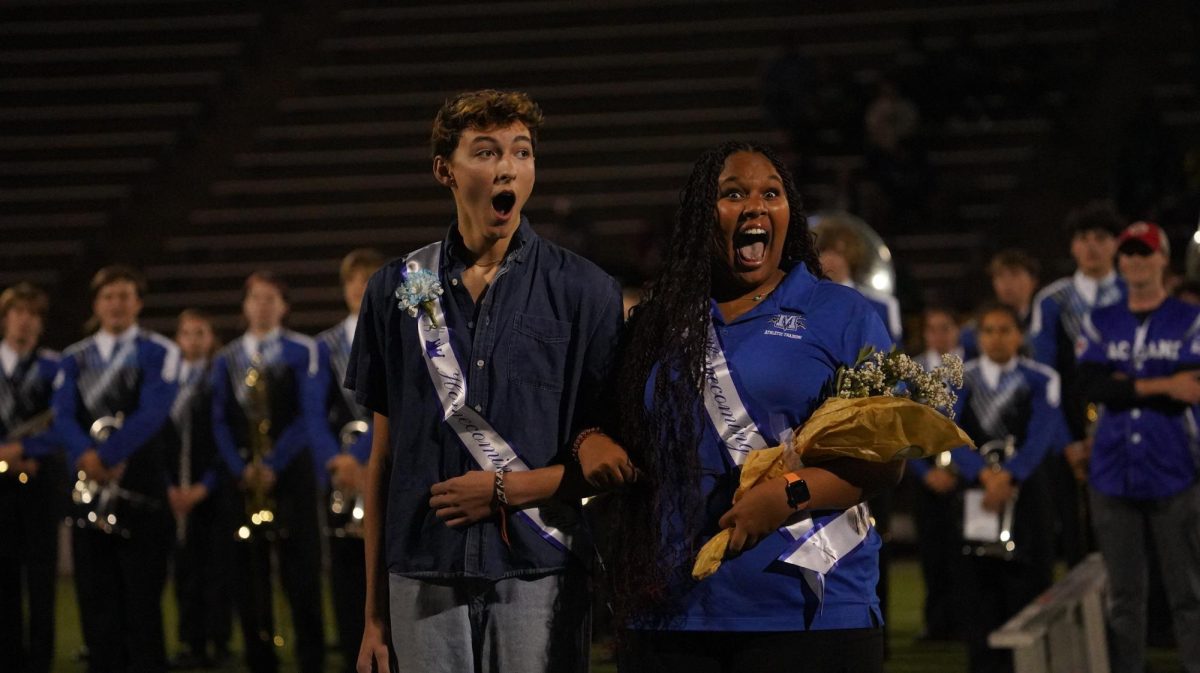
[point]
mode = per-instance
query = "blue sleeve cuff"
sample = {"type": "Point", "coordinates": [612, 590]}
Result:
{"type": "Point", "coordinates": [209, 480]}
{"type": "Point", "coordinates": [920, 468]}
{"type": "Point", "coordinates": [969, 463]}
{"type": "Point", "coordinates": [41, 445]}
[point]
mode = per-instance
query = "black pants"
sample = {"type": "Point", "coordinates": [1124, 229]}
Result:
{"type": "Point", "coordinates": [938, 520]}
{"type": "Point", "coordinates": [1074, 541]}
{"type": "Point", "coordinates": [997, 589]}
{"type": "Point", "coordinates": [348, 581]}
{"type": "Point", "coordinates": [203, 565]}
{"type": "Point", "coordinates": [833, 651]}
{"type": "Point", "coordinates": [30, 516]}
{"type": "Point", "coordinates": [297, 547]}
{"type": "Point", "coordinates": [120, 584]}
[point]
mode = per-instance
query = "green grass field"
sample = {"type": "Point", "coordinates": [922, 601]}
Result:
{"type": "Point", "coordinates": [907, 655]}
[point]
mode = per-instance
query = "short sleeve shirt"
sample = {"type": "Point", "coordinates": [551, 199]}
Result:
{"type": "Point", "coordinates": [536, 349]}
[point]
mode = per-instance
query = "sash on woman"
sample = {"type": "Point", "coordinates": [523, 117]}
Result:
{"type": "Point", "coordinates": [816, 547]}
{"type": "Point", "coordinates": [482, 442]}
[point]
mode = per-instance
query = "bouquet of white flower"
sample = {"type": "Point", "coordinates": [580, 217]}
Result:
{"type": "Point", "coordinates": [884, 407]}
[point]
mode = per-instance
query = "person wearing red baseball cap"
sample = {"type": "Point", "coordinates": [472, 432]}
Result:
{"type": "Point", "coordinates": [1139, 361]}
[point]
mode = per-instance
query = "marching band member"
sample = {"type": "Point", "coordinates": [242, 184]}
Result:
{"type": "Point", "coordinates": [32, 483]}
{"type": "Point", "coordinates": [1014, 275]}
{"type": "Point", "coordinates": [842, 255]}
{"type": "Point", "coordinates": [935, 503]}
{"type": "Point", "coordinates": [1058, 312]}
{"type": "Point", "coordinates": [1013, 401]}
{"type": "Point", "coordinates": [112, 401]}
{"type": "Point", "coordinates": [263, 396]}
{"type": "Point", "coordinates": [203, 543]}
{"type": "Point", "coordinates": [343, 450]}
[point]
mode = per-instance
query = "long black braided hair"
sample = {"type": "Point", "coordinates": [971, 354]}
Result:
{"type": "Point", "coordinates": [666, 339]}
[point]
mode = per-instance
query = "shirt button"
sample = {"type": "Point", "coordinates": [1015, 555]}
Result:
{"type": "Point", "coordinates": [471, 324]}
{"type": "Point", "coordinates": [1136, 438]}
{"type": "Point", "coordinates": [1136, 414]}
{"type": "Point", "coordinates": [479, 363]}
{"type": "Point", "coordinates": [479, 408]}
{"type": "Point", "coordinates": [454, 281]}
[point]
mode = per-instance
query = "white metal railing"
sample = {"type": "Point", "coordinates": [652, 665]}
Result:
{"type": "Point", "coordinates": [1062, 631]}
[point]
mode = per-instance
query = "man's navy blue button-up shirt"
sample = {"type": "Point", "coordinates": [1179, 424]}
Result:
{"type": "Point", "coordinates": [536, 350]}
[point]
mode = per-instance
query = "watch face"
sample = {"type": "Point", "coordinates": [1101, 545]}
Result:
{"type": "Point", "coordinates": [797, 492]}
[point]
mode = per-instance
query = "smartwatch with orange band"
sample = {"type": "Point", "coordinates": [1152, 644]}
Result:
{"type": "Point", "coordinates": [797, 490]}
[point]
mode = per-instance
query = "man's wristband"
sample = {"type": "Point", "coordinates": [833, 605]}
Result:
{"type": "Point", "coordinates": [498, 488]}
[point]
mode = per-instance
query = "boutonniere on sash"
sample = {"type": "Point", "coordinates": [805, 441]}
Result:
{"type": "Point", "coordinates": [885, 407]}
{"type": "Point", "coordinates": [418, 292]}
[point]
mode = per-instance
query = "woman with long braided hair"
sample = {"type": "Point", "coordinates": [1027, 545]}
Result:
{"type": "Point", "coordinates": [735, 346]}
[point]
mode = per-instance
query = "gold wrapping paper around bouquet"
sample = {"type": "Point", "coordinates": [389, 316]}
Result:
{"type": "Point", "coordinates": [876, 429]}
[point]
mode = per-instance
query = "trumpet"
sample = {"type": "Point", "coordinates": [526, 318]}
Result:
{"type": "Point", "coordinates": [259, 503]}
{"type": "Point", "coordinates": [346, 508]}
{"type": "Point", "coordinates": [1002, 546]}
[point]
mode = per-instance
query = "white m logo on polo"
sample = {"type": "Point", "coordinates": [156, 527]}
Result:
{"type": "Point", "coordinates": [788, 323]}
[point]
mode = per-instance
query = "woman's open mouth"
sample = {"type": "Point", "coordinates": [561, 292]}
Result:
{"type": "Point", "coordinates": [503, 204]}
{"type": "Point", "coordinates": [750, 245]}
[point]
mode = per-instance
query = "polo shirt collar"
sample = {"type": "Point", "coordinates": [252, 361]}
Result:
{"type": "Point", "coordinates": [792, 294]}
{"type": "Point", "coordinates": [453, 248]}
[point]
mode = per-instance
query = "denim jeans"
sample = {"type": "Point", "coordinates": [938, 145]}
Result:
{"type": "Point", "coordinates": [1121, 528]}
{"type": "Point", "coordinates": [538, 624]}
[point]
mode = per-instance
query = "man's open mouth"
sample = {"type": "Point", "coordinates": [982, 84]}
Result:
{"type": "Point", "coordinates": [503, 203]}
{"type": "Point", "coordinates": [750, 244]}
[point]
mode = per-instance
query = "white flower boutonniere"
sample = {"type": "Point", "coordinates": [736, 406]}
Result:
{"type": "Point", "coordinates": [420, 289]}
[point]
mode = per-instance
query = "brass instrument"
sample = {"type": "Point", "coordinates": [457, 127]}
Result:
{"type": "Point", "coordinates": [1000, 545]}
{"type": "Point", "coordinates": [346, 508]}
{"type": "Point", "coordinates": [260, 504]}
{"type": "Point", "coordinates": [877, 271]}
{"type": "Point", "coordinates": [98, 502]}
{"type": "Point", "coordinates": [31, 426]}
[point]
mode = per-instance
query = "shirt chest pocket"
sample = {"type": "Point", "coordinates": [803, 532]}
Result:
{"type": "Point", "coordinates": [536, 353]}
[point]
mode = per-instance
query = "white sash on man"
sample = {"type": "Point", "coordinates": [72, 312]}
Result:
{"type": "Point", "coordinates": [13, 389]}
{"type": "Point", "coordinates": [817, 547]}
{"type": "Point", "coordinates": [240, 362]}
{"type": "Point", "coordinates": [339, 361]}
{"type": "Point", "coordinates": [485, 445]}
{"type": "Point", "coordinates": [99, 377]}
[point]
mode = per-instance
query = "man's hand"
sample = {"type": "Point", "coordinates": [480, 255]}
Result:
{"type": "Point", "coordinates": [998, 490]}
{"type": "Point", "coordinates": [757, 514]}
{"type": "Point", "coordinates": [464, 500]}
{"type": "Point", "coordinates": [91, 465]}
{"type": "Point", "coordinates": [373, 652]}
{"type": "Point", "coordinates": [29, 466]}
{"type": "Point", "coordinates": [11, 453]}
{"type": "Point", "coordinates": [258, 476]}
{"type": "Point", "coordinates": [940, 480]}
{"type": "Point", "coordinates": [178, 500]}
{"type": "Point", "coordinates": [1185, 387]}
{"type": "Point", "coordinates": [348, 474]}
{"type": "Point", "coordinates": [604, 463]}
{"type": "Point", "coordinates": [1078, 454]}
